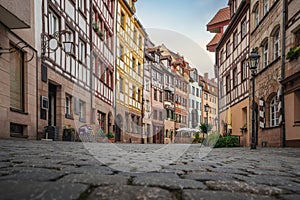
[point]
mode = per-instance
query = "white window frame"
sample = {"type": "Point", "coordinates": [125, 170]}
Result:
{"type": "Point", "coordinates": [266, 6]}
{"type": "Point", "coordinates": [276, 47]}
{"type": "Point", "coordinates": [265, 54]}
{"type": "Point", "coordinates": [53, 23]}
{"type": "Point", "coordinates": [82, 51]}
{"type": "Point", "coordinates": [256, 17]}
{"type": "Point", "coordinates": [274, 120]}
{"type": "Point", "coordinates": [68, 105]}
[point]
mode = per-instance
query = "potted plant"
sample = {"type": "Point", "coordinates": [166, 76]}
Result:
{"type": "Point", "coordinates": [244, 128]}
{"type": "Point", "coordinates": [68, 133]}
{"type": "Point", "coordinates": [97, 30]}
{"type": "Point", "coordinates": [110, 137]}
{"type": "Point", "coordinates": [293, 53]}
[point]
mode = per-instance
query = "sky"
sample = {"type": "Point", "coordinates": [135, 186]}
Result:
{"type": "Point", "coordinates": [181, 26]}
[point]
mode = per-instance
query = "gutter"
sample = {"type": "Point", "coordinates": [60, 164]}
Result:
{"type": "Point", "coordinates": [283, 128]}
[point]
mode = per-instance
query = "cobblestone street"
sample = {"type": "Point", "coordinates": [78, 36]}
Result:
{"type": "Point", "coordinates": [65, 170]}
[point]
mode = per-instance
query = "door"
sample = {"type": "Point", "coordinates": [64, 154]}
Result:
{"type": "Point", "coordinates": [52, 105]}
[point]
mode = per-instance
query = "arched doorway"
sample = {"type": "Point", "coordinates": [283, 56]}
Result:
{"type": "Point", "coordinates": [118, 128]}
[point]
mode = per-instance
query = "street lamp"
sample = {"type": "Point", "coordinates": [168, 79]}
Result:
{"type": "Point", "coordinates": [252, 62]}
{"type": "Point", "coordinates": [206, 109]}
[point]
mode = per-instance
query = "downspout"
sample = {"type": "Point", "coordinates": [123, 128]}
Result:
{"type": "Point", "coordinates": [283, 129]}
{"type": "Point", "coordinates": [219, 87]}
{"type": "Point", "coordinates": [115, 66]}
{"type": "Point", "coordinates": [92, 114]}
{"type": "Point", "coordinates": [37, 95]}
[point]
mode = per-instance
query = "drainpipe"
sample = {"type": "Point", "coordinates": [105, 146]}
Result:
{"type": "Point", "coordinates": [37, 95]}
{"type": "Point", "coordinates": [92, 114]}
{"type": "Point", "coordinates": [283, 130]}
{"type": "Point", "coordinates": [115, 64]}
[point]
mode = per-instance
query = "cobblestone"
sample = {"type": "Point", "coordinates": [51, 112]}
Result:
{"type": "Point", "coordinates": [66, 170]}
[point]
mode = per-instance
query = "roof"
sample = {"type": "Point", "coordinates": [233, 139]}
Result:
{"type": "Point", "coordinates": [221, 16]}
{"type": "Point", "coordinates": [212, 45]}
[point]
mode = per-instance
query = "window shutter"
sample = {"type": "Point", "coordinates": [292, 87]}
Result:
{"type": "Point", "coordinates": [262, 118]}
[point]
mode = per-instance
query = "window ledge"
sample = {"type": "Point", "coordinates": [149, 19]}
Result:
{"type": "Point", "coordinates": [296, 123]}
{"type": "Point", "coordinates": [18, 111]}
{"type": "Point", "coordinates": [68, 116]}
{"type": "Point", "coordinates": [82, 120]}
{"type": "Point", "coordinates": [270, 127]}
{"type": "Point", "coordinates": [18, 135]}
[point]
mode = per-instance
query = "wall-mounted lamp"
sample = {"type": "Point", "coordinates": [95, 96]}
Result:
{"type": "Point", "coordinates": [51, 42]}
{"type": "Point", "coordinates": [19, 46]}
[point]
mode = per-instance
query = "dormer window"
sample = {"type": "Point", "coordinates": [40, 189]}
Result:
{"type": "Point", "coordinates": [157, 58]}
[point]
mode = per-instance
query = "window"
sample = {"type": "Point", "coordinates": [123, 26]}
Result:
{"type": "Point", "coordinates": [222, 56]}
{"type": "Point", "coordinates": [133, 94]}
{"type": "Point", "coordinates": [123, 22]}
{"type": "Point", "coordinates": [155, 114]}
{"type": "Point", "coordinates": [147, 84]}
{"type": "Point", "coordinates": [244, 70]}
{"type": "Point", "coordinates": [297, 106]}
{"type": "Point", "coordinates": [135, 35]}
{"type": "Point", "coordinates": [53, 22]}
{"type": "Point", "coordinates": [265, 54]}
{"type": "Point", "coordinates": [227, 48]}
{"type": "Point", "coordinates": [160, 116]}
{"type": "Point", "coordinates": [121, 52]}
{"type": "Point", "coordinates": [244, 28]}
{"type": "Point", "coordinates": [16, 79]}
{"type": "Point", "coordinates": [101, 120]}
{"type": "Point", "coordinates": [193, 90]}
{"type": "Point", "coordinates": [81, 5]}
{"type": "Point", "coordinates": [297, 38]}
{"type": "Point", "coordinates": [82, 51]}
{"type": "Point", "coordinates": [235, 77]}
{"type": "Point", "coordinates": [154, 74]}
{"type": "Point", "coordinates": [235, 39]}
{"type": "Point", "coordinates": [121, 85]}
{"type": "Point", "coordinates": [127, 121]}
{"type": "Point", "coordinates": [70, 37]}
{"type": "Point", "coordinates": [266, 6]}
{"type": "Point", "coordinates": [139, 68]}
{"type": "Point", "coordinates": [139, 95]}
{"type": "Point", "coordinates": [81, 110]}
{"type": "Point", "coordinates": [276, 44]}
{"type": "Point", "coordinates": [133, 64]}
{"type": "Point", "coordinates": [157, 58]}
{"type": "Point", "coordinates": [256, 15]}
{"type": "Point", "coordinates": [155, 94]}
{"type": "Point", "coordinates": [205, 96]}
{"type": "Point", "coordinates": [159, 78]}
{"type": "Point", "coordinates": [140, 42]}
{"type": "Point", "coordinates": [68, 104]}
{"type": "Point", "coordinates": [273, 112]}
{"type": "Point", "coordinates": [228, 83]}
{"type": "Point", "coordinates": [160, 96]}
{"type": "Point", "coordinates": [132, 123]}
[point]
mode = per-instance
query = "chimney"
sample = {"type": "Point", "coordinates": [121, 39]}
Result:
{"type": "Point", "coordinates": [206, 76]}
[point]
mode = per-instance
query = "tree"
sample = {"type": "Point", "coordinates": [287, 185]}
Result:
{"type": "Point", "coordinates": [205, 128]}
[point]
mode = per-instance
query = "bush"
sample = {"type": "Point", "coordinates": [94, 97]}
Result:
{"type": "Point", "coordinates": [228, 141]}
{"type": "Point", "coordinates": [212, 139]}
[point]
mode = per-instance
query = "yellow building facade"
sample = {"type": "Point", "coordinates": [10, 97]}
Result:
{"type": "Point", "coordinates": [129, 74]}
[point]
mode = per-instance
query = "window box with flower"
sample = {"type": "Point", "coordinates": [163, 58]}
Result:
{"type": "Point", "coordinates": [293, 54]}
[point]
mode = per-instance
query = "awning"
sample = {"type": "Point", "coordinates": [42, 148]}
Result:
{"type": "Point", "coordinates": [188, 130]}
